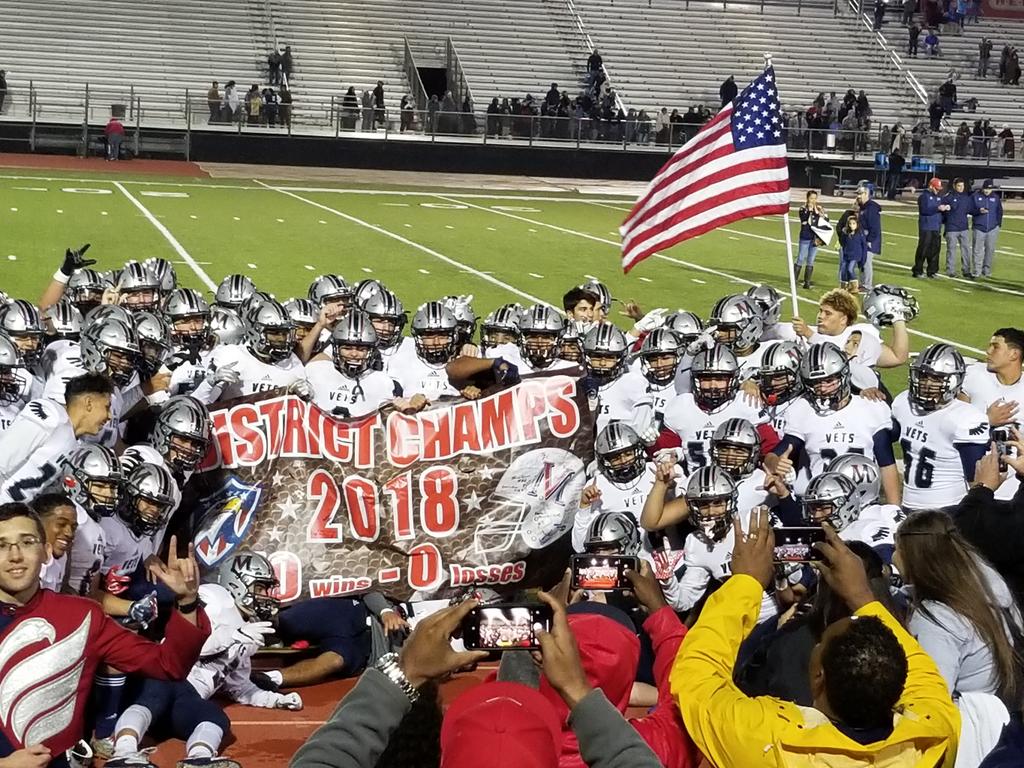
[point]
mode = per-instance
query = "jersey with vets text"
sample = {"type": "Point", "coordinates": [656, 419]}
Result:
{"type": "Point", "coordinates": [256, 375]}
{"type": "Point", "coordinates": [778, 417]}
{"type": "Point", "coordinates": [860, 341]}
{"type": "Point", "coordinates": [695, 427]}
{"type": "Point", "coordinates": [984, 389]}
{"type": "Point", "coordinates": [704, 562]}
{"type": "Point", "coordinates": [933, 475]}
{"type": "Point", "coordinates": [29, 388]}
{"type": "Point", "coordinates": [875, 525]}
{"type": "Point", "coordinates": [621, 400]}
{"type": "Point", "coordinates": [87, 553]}
{"type": "Point", "coordinates": [511, 353]}
{"type": "Point", "coordinates": [343, 396]}
{"type": "Point", "coordinates": [420, 378]}
{"type": "Point", "coordinates": [850, 430]}
{"type": "Point", "coordinates": [31, 450]}
{"type": "Point", "coordinates": [189, 378]}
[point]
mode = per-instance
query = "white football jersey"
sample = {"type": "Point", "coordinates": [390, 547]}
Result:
{"type": "Point", "coordinates": [615, 497]}
{"type": "Point", "coordinates": [51, 575]}
{"type": "Point", "coordinates": [31, 449]}
{"type": "Point", "coordinates": [984, 389]}
{"type": "Point", "coordinates": [420, 378]}
{"type": "Point", "coordinates": [875, 525]}
{"type": "Point", "coordinates": [124, 550]}
{"type": "Point", "coordinates": [850, 430]}
{"type": "Point", "coordinates": [695, 426]}
{"type": "Point", "coordinates": [395, 357]}
{"type": "Point", "coordinates": [622, 399]}
{"type": "Point", "coordinates": [29, 388]}
{"type": "Point", "coordinates": [87, 552]}
{"type": "Point", "coordinates": [336, 393]}
{"type": "Point", "coordinates": [256, 375]}
{"type": "Point", "coordinates": [933, 474]}
{"type": "Point", "coordinates": [750, 364]}
{"type": "Point", "coordinates": [511, 353]}
{"type": "Point", "coordinates": [189, 378]}
{"type": "Point", "coordinates": [860, 341]}
{"type": "Point", "coordinates": [780, 332]}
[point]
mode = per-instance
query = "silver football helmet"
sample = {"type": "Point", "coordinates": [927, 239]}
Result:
{"type": "Point", "coordinates": [364, 289]}
{"type": "Point", "coordinates": [620, 453]}
{"type": "Point", "coordinates": [85, 289]}
{"type": "Point", "coordinates": [355, 341]}
{"type": "Point", "coordinates": [150, 495]}
{"type": "Point", "coordinates": [21, 321]}
{"type": "Point", "coordinates": [330, 289]}
{"type": "Point", "coordinates": [769, 301]}
{"type": "Point", "coordinates": [779, 374]}
{"type": "Point", "coordinates": [92, 478]}
{"type": "Point", "coordinates": [182, 433]}
{"type": "Point", "coordinates": [736, 447]}
{"type": "Point", "coordinates": [738, 322]}
{"type": "Point", "coordinates": [830, 498]}
{"type": "Point", "coordinates": [250, 580]}
{"type": "Point", "coordinates": [660, 353]}
{"type": "Point", "coordinates": [716, 377]}
{"type": "Point", "coordinates": [465, 317]}
{"type": "Point", "coordinates": [885, 304]}
{"type": "Point", "coordinates": [62, 320]}
{"type": "Point", "coordinates": [139, 287]}
{"type": "Point", "coordinates": [233, 290]}
{"type": "Point", "coordinates": [269, 332]}
{"type": "Point", "coordinates": [163, 270]}
{"type": "Point", "coordinates": [604, 296]}
{"type": "Point", "coordinates": [501, 326]}
{"type": "Point", "coordinates": [12, 371]}
{"type": "Point", "coordinates": [540, 335]}
{"type": "Point", "coordinates": [226, 326]}
{"type": "Point", "coordinates": [256, 300]}
{"type": "Point", "coordinates": [387, 315]}
{"type": "Point", "coordinates": [686, 325]}
{"type": "Point", "coordinates": [110, 347]}
{"type": "Point", "coordinates": [103, 311]}
{"type": "Point", "coordinates": [863, 472]}
{"type": "Point", "coordinates": [825, 375]}
{"type": "Point", "coordinates": [936, 377]}
{"type": "Point", "coordinates": [613, 533]}
{"type": "Point", "coordinates": [189, 316]}
{"type": "Point", "coordinates": [712, 498]}
{"type": "Point", "coordinates": [572, 341]}
{"type": "Point", "coordinates": [436, 333]}
{"type": "Point", "coordinates": [605, 349]}
{"type": "Point", "coordinates": [304, 313]}
{"type": "Point", "coordinates": [154, 336]}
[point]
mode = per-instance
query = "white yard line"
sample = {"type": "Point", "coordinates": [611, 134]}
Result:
{"type": "Point", "coordinates": [412, 244]}
{"type": "Point", "coordinates": [178, 247]}
{"type": "Point", "coordinates": [690, 265]}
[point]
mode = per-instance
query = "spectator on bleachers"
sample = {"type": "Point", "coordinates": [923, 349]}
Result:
{"type": "Point", "coordinates": [449, 119]}
{"type": "Point", "coordinates": [675, 126]}
{"type": "Point", "coordinates": [984, 54]}
{"type": "Point", "coordinates": [978, 140]}
{"type": "Point", "coordinates": [1004, 58]}
{"type": "Point", "coordinates": [833, 104]}
{"type": "Point", "coordinates": [3, 88]}
{"type": "Point", "coordinates": [931, 43]}
{"type": "Point", "coordinates": [213, 102]}
{"type": "Point", "coordinates": [894, 176]}
{"type": "Point", "coordinates": [643, 127]}
{"type": "Point", "coordinates": [232, 102]}
{"type": "Point", "coordinates": [468, 118]}
{"type": "Point", "coordinates": [879, 14]}
{"type": "Point", "coordinates": [909, 7]}
{"type": "Point", "coordinates": [115, 135]}
{"type": "Point", "coordinates": [274, 67]}
{"type": "Point", "coordinates": [433, 107]}
{"type": "Point", "coordinates": [947, 96]}
{"type": "Point", "coordinates": [378, 103]}
{"type": "Point", "coordinates": [492, 127]}
{"type": "Point", "coordinates": [1006, 143]}
{"type": "Point", "coordinates": [287, 64]}
{"type": "Point", "coordinates": [990, 136]}
{"type": "Point", "coordinates": [1013, 68]}
{"type": "Point", "coordinates": [935, 114]}
{"type": "Point", "coordinates": [270, 106]}
{"type": "Point", "coordinates": [728, 90]}
{"type": "Point", "coordinates": [407, 113]}
{"type": "Point", "coordinates": [285, 97]}
{"type": "Point", "coordinates": [661, 126]}
{"type": "Point", "coordinates": [349, 109]}
{"type": "Point", "coordinates": [367, 124]}
{"type": "Point", "coordinates": [253, 105]}
{"type": "Point", "coordinates": [594, 66]}
{"type": "Point", "coordinates": [963, 137]}
{"type": "Point", "coordinates": [914, 33]}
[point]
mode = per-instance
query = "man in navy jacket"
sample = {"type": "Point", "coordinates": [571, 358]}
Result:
{"type": "Point", "coordinates": [929, 227]}
{"type": "Point", "coordinates": [987, 216]}
{"type": "Point", "coordinates": [961, 204]}
{"type": "Point", "coordinates": [869, 218]}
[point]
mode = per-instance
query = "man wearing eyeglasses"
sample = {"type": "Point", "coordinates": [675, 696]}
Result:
{"type": "Point", "coordinates": [51, 644]}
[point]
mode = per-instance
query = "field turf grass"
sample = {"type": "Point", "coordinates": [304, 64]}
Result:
{"type": "Point", "coordinates": [499, 246]}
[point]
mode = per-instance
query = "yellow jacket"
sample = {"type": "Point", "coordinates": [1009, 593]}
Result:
{"type": "Point", "coordinates": [734, 730]}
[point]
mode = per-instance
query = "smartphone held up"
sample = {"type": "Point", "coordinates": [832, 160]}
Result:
{"type": "Point", "coordinates": [505, 626]}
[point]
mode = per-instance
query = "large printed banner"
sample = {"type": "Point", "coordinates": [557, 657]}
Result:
{"type": "Point", "coordinates": [479, 492]}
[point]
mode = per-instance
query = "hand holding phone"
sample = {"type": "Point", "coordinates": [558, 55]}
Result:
{"type": "Point", "coordinates": [502, 627]}
{"type": "Point", "coordinates": [796, 545]}
{"type": "Point", "coordinates": [602, 573]}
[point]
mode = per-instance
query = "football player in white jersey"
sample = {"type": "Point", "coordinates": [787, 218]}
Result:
{"type": "Point", "coordinates": [17, 384]}
{"type": "Point", "coordinates": [61, 321]}
{"type": "Point", "coordinates": [693, 417]}
{"type": "Point", "coordinates": [138, 288]}
{"type": "Point", "coordinates": [769, 301]}
{"type": "Point", "coordinates": [389, 318]}
{"type": "Point", "coordinates": [92, 480]}
{"type": "Point", "coordinates": [875, 523]}
{"type": "Point", "coordinates": [191, 340]}
{"type": "Point", "coordinates": [59, 519]}
{"type": "Point", "coordinates": [707, 553]}
{"type": "Point", "coordinates": [224, 667]}
{"type": "Point", "coordinates": [660, 355]}
{"type": "Point", "coordinates": [332, 296]}
{"type": "Point", "coordinates": [689, 328]}
{"type": "Point", "coordinates": [739, 326]}
{"type": "Point", "coordinates": [539, 341]}
{"type": "Point", "coordinates": [779, 381]}
{"type": "Point", "coordinates": [942, 438]}
{"type": "Point", "coordinates": [616, 394]}
{"type": "Point", "coordinates": [829, 420]}
{"type": "Point", "coordinates": [265, 359]}
{"type": "Point", "coordinates": [997, 386]}
{"type": "Point", "coordinates": [500, 327]}
{"type": "Point", "coordinates": [20, 320]}
{"type": "Point", "coordinates": [345, 383]}
{"type": "Point", "coordinates": [436, 338]}
{"type": "Point", "coordinates": [32, 447]}
{"type": "Point", "coordinates": [178, 441]}
{"type": "Point", "coordinates": [233, 290]}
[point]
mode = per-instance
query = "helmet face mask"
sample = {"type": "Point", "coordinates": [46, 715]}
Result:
{"type": "Point", "coordinates": [825, 375]}
{"type": "Point", "coordinates": [540, 348]}
{"type": "Point", "coordinates": [270, 332]}
{"type": "Point", "coordinates": [501, 326]}
{"type": "Point", "coordinates": [353, 359]}
{"type": "Point", "coordinates": [738, 322]}
{"type": "Point", "coordinates": [10, 384]}
{"type": "Point", "coordinates": [121, 365]}
{"type": "Point", "coordinates": [712, 499]}
{"type": "Point", "coordinates": [190, 332]}
{"type": "Point", "coordinates": [830, 498]}
{"type": "Point", "coordinates": [936, 378]}
{"type": "Point", "coordinates": [148, 499]}
{"type": "Point", "coordinates": [249, 578]}
{"type": "Point", "coordinates": [713, 390]}
{"type": "Point", "coordinates": [613, 533]}
{"type": "Point", "coordinates": [20, 320]}
{"type": "Point", "coordinates": [185, 452]}
{"type": "Point", "coordinates": [435, 333]}
{"type": "Point", "coordinates": [182, 433]}
{"type": "Point", "coordinates": [387, 315]}
{"type": "Point", "coordinates": [140, 299]}
{"type": "Point", "coordinates": [104, 495]}
{"type": "Point", "coordinates": [93, 479]}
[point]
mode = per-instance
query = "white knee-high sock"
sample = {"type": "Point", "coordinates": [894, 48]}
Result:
{"type": "Point", "coordinates": [135, 719]}
{"type": "Point", "coordinates": [205, 740]}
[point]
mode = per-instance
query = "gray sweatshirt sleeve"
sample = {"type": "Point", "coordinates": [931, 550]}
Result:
{"type": "Point", "coordinates": [606, 740]}
{"type": "Point", "coordinates": [359, 729]}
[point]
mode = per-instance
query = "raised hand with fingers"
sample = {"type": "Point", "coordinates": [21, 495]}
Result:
{"type": "Point", "coordinates": [784, 468]}
{"type": "Point", "coordinates": [428, 653]}
{"type": "Point", "coordinates": [646, 588]}
{"type": "Point", "coordinates": [590, 494]}
{"type": "Point", "coordinates": [752, 554]}
{"type": "Point", "coordinates": [75, 260]}
{"type": "Point", "coordinates": [843, 570]}
{"type": "Point", "coordinates": [179, 574]}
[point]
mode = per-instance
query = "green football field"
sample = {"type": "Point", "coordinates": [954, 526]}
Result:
{"type": "Point", "coordinates": [424, 243]}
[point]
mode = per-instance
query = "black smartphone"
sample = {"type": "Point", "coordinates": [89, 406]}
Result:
{"type": "Point", "coordinates": [505, 626]}
{"type": "Point", "coordinates": [796, 545]}
{"type": "Point", "coordinates": [602, 573]}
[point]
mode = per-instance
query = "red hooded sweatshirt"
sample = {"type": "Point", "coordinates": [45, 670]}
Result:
{"type": "Point", "coordinates": [610, 655]}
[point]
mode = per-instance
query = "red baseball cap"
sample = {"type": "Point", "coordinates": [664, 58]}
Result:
{"type": "Point", "coordinates": [501, 725]}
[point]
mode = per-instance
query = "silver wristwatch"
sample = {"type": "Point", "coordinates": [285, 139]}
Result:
{"type": "Point", "coordinates": [388, 665]}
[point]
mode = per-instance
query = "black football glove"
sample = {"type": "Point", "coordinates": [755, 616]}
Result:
{"type": "Point", "coordinates": [73, 261]}
{"type": "Point", "coordinates": [505, 374]}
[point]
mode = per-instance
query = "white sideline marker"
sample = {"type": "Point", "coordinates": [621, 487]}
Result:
{"type": "Point", "coordinates": [367, 270]}
{"type": "Point", "coordinates": [699, 282]}
{"type": "Point", "coordinates": [448, 226]}
{"type": "Point", "coordinates": [193, 216]}
{"type": "Point", "coordinates": [236, 218]}
{"type": "Point", "coordinates": [424, 271]}
{"type": "Point", "coordinates": [103, 213]}
{"type": "Point", "coordinates": [280, 221]}
{"type": "Point", "coordinates": [60, 210]}
{"type": "Point", "coordinates": [491, 229]}
{"type": "Point", "coordinates": [178, 248]}
{"type": "Point", "coordinates": [534, 274]}
{"type": "Point", "coordinates": [309, 267]}
{"type": "Point", "coordinates": [645, 279]}
{"type": "Point", "coordinates": [11, 257]}
{"type": "Point", "coordinates": [251, 266]}
{"type": "Point", "coordinates": [14, 210]}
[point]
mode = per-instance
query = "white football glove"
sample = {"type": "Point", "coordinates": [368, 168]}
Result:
{"type": "Point", "coordinates": [668, 455]}
{"type": "Point", "coordinates": [254, 632]}
{"type": "Point", "coordinates": [706, 340]}
{"type": "Point", "coordinates": [223, 375]}
{"type": "Point", "coordinates": [301, 389]}
{"type": "Point", "coordinates": [653, 319]}
{"type": "Point", "coordinates": [290, 701]}
{"type": "Point", "coordinates": [649, 434]}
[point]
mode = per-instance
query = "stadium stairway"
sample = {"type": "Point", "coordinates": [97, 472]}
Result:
{"type": "Point", "coordinates": [662, 54]}
{"type": "Point", "coordinates": [1002, 104]}
{"type": "Point", "coordinates": [157, 47]}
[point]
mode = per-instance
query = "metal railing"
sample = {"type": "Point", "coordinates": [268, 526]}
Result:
{"type": "Point", "coordinates": [458, 83]}
{"type": "Point", "coordinates": [589, 43]}
{"type": "Point", "coordinates": [412, 74]}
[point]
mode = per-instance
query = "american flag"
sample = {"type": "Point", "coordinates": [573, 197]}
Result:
{"type": "Point", "coordinates": [734, 168]}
